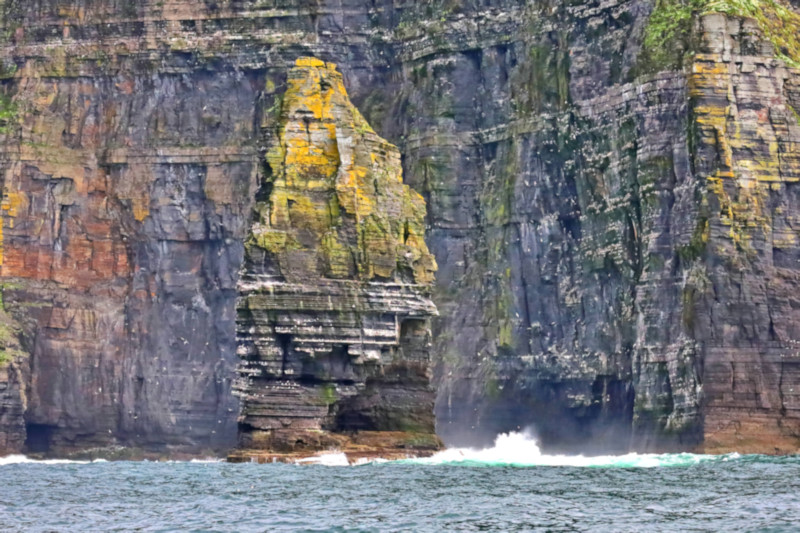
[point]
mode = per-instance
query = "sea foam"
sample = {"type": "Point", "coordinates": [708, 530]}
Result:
{"type": "Point", "coordinates": [521, 449]}
{"type": "Point", "coordinates": [21, 459]}
{"type": "Point", "coordinates": [326, 459]}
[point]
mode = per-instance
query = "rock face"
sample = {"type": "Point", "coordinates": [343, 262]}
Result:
{"type": "Point", "coordinates": [742, 262]}
{"type": "Point", "coordinates": [610, 192]}
{"type": "Point", "coordinates": [333, 316]}
{"type": "Point", "coordinates": [14, 377]}
{"type": "Point", "coordinates": [632, 248]}
{"type": "Point", "coordinates": [127, 185]}
{"type": "Point", "coordinates": [576, 195]}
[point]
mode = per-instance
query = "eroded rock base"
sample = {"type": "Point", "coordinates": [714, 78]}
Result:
{"type": "Point", "coordinates": [294, 446]}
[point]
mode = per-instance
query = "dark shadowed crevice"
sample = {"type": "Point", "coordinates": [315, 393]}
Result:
{"type": "Point", "coordinates": [39, 438]}
{"type": "Point", "coordinates": [284, 341]}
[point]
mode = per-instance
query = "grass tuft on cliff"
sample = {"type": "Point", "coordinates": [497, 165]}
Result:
{"type": "Point", "coordinates": [668, 34]}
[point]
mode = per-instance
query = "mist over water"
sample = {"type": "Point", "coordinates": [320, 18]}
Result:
{"type": "Point", "coordinates": [521, 449]}
{"type": "Point", "coordinates": [510, 486]}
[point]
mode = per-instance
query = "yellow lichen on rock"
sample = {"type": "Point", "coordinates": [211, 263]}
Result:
{"type": "Point", "coordinates": [749, 148]}
{"type": "Point", "coordinates": [338, 207]}
{"type": "Point", "coordinates": [10, 206]}
{"type": "Point", "coordinates": [12, 201]}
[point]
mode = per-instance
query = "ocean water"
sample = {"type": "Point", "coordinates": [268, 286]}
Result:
{"type": "Point", "coordinates": [509, 487]}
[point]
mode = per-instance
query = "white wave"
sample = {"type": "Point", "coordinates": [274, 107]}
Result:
{"type": "Point", "coordinates": [326, 459]}
{"type": "Point", "coordinates": [361, 461]}
{"type": "Point", "coordinates": [21, 459]}
{"type": "Point", "coordinates": [521, 449]}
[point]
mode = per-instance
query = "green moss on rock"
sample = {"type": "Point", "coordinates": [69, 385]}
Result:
{"type": "Point", "coordinates": [10, 347]}
{"type": "Point", "coordinates": [779, 23]}
{"type": "Point", "coordinates": [8, 114]}
{"type": "Point", "coordinates": [668, 34]}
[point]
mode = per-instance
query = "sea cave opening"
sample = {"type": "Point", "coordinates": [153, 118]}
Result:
{"type": "Point", "coordinates": [38, 438]}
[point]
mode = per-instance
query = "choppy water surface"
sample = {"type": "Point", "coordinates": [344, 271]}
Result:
{"type": "Point", "coordinates": [511, 487]}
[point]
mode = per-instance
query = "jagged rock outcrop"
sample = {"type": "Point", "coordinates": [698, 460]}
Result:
{"type": "Point", "coordinates": [609, 188]}
{"type": "Point", "coordinates": [334, 298]}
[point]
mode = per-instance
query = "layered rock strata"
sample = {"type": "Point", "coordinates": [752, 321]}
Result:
{"type": "Point", "coordinates": [334, 309]}
{"type": "Point", "coordinates": [14, 379]}
{"type": "Point", "coordinates": [609, 187]}
{"type": "Point", "coordinates": [742, 263]}
{"type": "Point", "coordinates": [620, 216]}
{"type": "Point", "coordinates": [126, 176]}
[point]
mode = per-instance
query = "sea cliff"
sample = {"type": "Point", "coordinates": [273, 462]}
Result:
{"type": "Point", "coordinates": [608, 190]}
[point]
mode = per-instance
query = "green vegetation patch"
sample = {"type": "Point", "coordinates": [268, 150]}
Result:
{"type": "Point", "coordinates": [668, 32]}
{"type": "Point", "coordinates": [8, 113]}
{"type": "Point", "coordinates": [9, 345]}
{"type": "Point", "coordinates": [667, 37]}
{"type": "Point", "coordinates": [795, 113]}
{"type": "Point", "coordinates": [10, 330]}
{"type": "Point", "coordinates": [328, 394]}
{"type": "Point", "coordinates": [779, 23]}
{"type": "Point", "coordinates": [697, 244]}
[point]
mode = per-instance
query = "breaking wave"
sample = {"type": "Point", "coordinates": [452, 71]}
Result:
{"type": "Point", "coordinates": [21, 459]}
{"type": "Point", "coordinates": [518, 449]}
{"type": "Point", "coordinates": [326, 459]}
{"type": "Point", "coordinates": [521, 449]}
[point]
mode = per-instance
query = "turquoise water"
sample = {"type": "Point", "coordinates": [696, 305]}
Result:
{"type": "Point", "coordinates": [460, 490]}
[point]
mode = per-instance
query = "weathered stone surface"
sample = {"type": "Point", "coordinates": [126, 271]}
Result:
{"type": "Point", "coordinates": [126, 189]}
{"type": "Point", "coordinates": [737, 296]}
{"type": "Point", "coordinates": [14, 379]}
{"type": "Point", "coordinates": [581, 210]}
{"type": "Point", "coordinates": [613, 224]}
{"type": "Point", "coordinates": [333, 316]}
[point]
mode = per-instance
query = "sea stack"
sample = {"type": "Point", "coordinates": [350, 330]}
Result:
{"type": "Point", "coordinates": [334, 305]}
